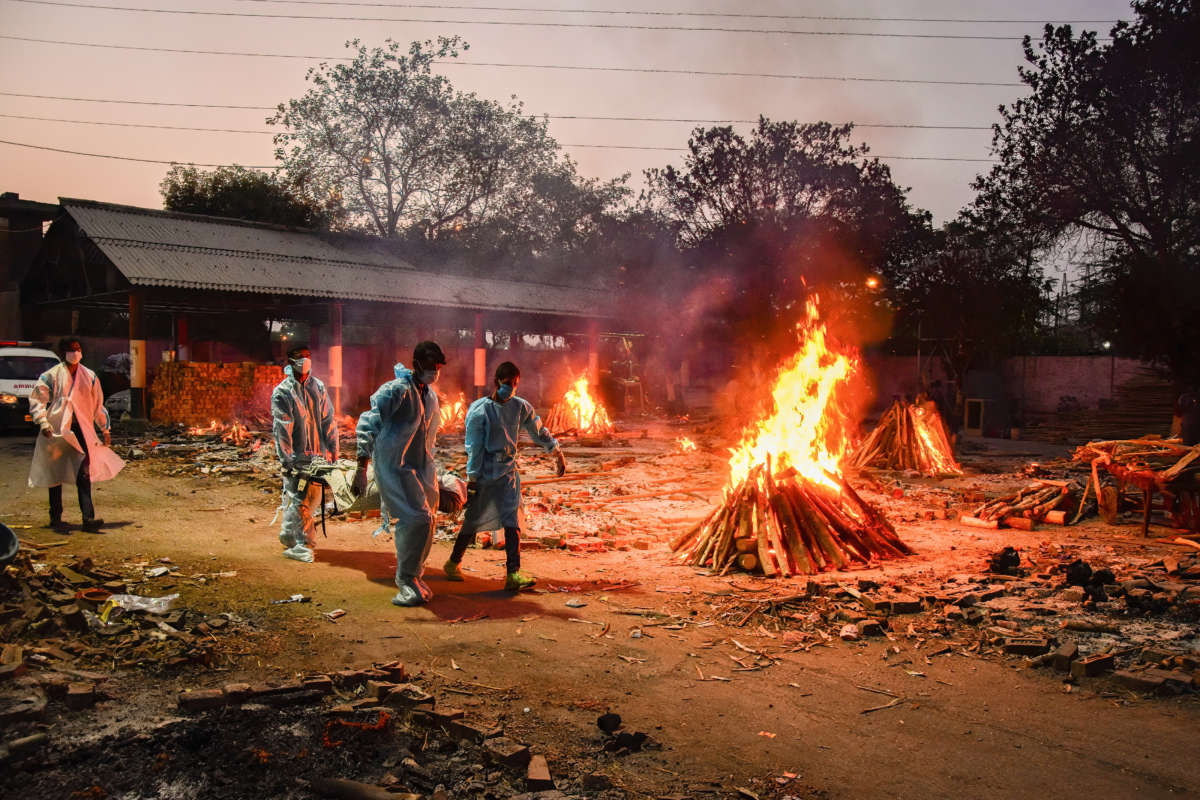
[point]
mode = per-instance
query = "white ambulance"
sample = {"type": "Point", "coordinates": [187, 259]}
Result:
{"type": "Point", "coordinates": [21, 364]}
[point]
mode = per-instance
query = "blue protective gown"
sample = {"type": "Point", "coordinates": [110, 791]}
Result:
{"type": "Point", "coordinates": [491, 438]}
{"type": "Point", "coordinates": [398, 433]}
{"type": "Point", "coordinates": [304, 428]}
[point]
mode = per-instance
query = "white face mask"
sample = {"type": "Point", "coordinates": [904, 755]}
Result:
{"type": "Point", "coordinates": [302, 366]}
{"type": "Point", "coordinates": [73, 356]}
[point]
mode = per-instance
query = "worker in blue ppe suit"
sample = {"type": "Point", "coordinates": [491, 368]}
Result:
{"type": "Point", "coordinates": [493, 483]}
{"type": "Point", "coordinates": [398, 433]}
{"type": "Point", "coordinates": [304, 428]}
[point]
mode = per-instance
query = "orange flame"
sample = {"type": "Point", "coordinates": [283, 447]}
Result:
{"type": "Point", "coordinates": [578, 411]}
{"type": "Point", "coordinates": [685, 444]}
{"type": "Point", "coordinates": [453, 414]}
{"type": "Point", "coordinates": [807, 428]}
{"type": "Point", "coordinates": [936, 445]}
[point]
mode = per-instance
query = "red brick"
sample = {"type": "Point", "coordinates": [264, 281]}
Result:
{"type": "Point", "coordinates": [80, 696]}
{"type": "Point", "coordinates": [504, 751]}
{"type": "Point", "coordinates": [202, 699]}
{"type": "Point", "coordinates": [537, 776]}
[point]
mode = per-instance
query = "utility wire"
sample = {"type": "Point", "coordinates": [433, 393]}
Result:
{"type": "Point", "coordinates": [595, 146]}
{"type": "Point", "coordinates": [549, 116]}
{"type": "Point", "coordinates": [455, 62]}
{"type": "Point", "coordinates": [522, 24]}
{"type": "Point", "coordinates": [721, 14]}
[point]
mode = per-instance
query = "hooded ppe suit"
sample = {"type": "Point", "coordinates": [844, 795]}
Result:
{"type": "Point", "coordinates": [491, 440]}
{"type": "Point", "coordinates": [71, 409]}
{"type": "Point", "coordinates": [304, 429]}
{"type": "Point", "coordinates": [398, 434]}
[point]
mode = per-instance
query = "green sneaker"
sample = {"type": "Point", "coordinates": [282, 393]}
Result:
{"type": "Point", "coordinates": [517, 581]}
{"type": "Point", "coordinates": [453, 573]}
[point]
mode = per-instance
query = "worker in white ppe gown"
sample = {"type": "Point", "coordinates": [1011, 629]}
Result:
{"type": "Point", "coordinates": [67, 405]}
{"type": "Point", "coordinates": [398, 433]}
{"type": "Point", "coordinates": [493, 484]}
{"type": "Point", "coordinates": [304, 429]}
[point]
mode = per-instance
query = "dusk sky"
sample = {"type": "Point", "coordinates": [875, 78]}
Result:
{"type": "Point", "coordinates": [73, 71]}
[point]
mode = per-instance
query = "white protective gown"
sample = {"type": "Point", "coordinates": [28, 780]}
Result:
{"type": "Point", "coordinates": [304, 429]}
{"type": "Point", "coordinates": [398, 434]}
{"type": "Point", "coordinates": [56, 400]}
{"type": "Point", "coordinates": [492, 430]}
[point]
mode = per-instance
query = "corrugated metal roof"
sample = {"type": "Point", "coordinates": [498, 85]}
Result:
{"type": "Point", "coordinates": [159, 248]}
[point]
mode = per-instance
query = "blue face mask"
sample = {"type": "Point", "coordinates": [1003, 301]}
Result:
{"type": "Point", "coordinates": [504, 391]}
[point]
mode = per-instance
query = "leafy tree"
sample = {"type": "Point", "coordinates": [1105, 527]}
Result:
{"type": "Point", "coordinates": [1108, 143]}
{"type": "Point", "coordinates": [793, 206]}
{"type": "Point", "coordinates": [248, 194]}
{"type": "Point", "coordinates": [404, 149]}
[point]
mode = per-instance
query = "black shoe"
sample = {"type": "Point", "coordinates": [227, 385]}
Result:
{"type": "Point", "coordinates": [59, 525]}
{"type": "Point", "coordinates": [93, 525]}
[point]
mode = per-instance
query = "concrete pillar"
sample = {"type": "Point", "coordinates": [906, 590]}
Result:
{"type": "Point", "coordinates": [593, 364]}
{"type": "Point", "coordinates": [335, 357]}
{"type": "Point", "coordinates": [137, 355]}
{"type": "Point", "coordinates": [481, 378]}
{"type": "Point", "coordinates": [183, 339]}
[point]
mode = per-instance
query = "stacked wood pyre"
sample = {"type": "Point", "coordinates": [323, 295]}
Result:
{"type": "Point", "coordinates": [578, 412]}
{"type": "Point", "coordinates": [909, 436]}
{"type": "Point", "coordinates": [787, 525]}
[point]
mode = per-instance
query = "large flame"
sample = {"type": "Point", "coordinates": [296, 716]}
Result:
{"type": "Point", "coordinates": [937, 448]}
{"type": "Point", "coordinates": [807, 428]}
{"type": "Point", "coordinates": [453, 414]}
{"type": "Point", "coordinates": [578, 411]}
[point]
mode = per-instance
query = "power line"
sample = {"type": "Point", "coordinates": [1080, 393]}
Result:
{"type": "Point", "coordinates": [721, 14]}
{"type": "Point", "coordinates": [587, 117]}
{"type": "Point", "coordinates": [454, 62]}
{"type": "Point", "coordinates": [121, 158]}
{"type": "Point", "coordinates": [132, 124]}
{"type": "Point", "coordinates": [133, 102]}
{"type": "Point", "coordinates": [523, 23]}
{"type": "Point", "coordinates": [594, 146]}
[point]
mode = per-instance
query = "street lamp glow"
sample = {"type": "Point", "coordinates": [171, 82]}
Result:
{"type": "Point", "coordinates": [872, 282]}
{"type": "Point", "coordinates": [1107, 345]}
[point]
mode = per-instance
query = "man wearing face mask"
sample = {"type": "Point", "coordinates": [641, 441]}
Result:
{"type": "Point", "coordinates": [493, 483]}
{"type": "Point", "coordinates": [398, 432]}
{"type": "Point", "coordinates": [68, 406]}
{"type": "Point", "coordinates": [304, 428]}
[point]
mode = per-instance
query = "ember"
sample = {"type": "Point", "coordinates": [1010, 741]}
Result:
{"type": "Point", "coordinates": [234, 433]}
{"type": "Point", "coordinates": [909, 436]}
{"type": "Point", "coordinates": [577, 412]}
{"type": "Point", "coordinates": [787, 509]}
{"type": "Point", "coordinates": [685, 444]}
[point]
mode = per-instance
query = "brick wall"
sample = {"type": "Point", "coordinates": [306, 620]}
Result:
{"type": "Point", "coordinates": [196, 392]}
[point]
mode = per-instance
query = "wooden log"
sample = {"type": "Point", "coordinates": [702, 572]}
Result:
{"type": "Point", "coordinates": [748, 561]}
{"type": "Point", "coordinates": [976, 522]}
{"type": "Point", "coordinates": [1020, 523]}
{"type": "Point", "coordinates": [790, 530]}
{"type": "Point", "coordinates": [746, 545]}
{"type": "Point", "coordinates": [1056, 517]}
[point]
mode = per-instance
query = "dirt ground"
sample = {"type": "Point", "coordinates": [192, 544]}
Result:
{"type": "Point", "coordinates": [634, 632]}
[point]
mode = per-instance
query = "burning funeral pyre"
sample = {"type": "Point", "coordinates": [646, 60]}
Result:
{"type": "Point", "coordinates": [787, 509]}
{"type": "Point", "coordinates": [453, 414]}
{"type": "Point", "coordinates": [577, 412]}
{"type": "Point", "coordinates": [909, 436]}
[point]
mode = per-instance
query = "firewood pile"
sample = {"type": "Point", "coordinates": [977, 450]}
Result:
{"type": "Point", "coordinates": [786, 525]}
{"type": "Point", "coordinates": [196, 392]}
{"type": "Point", "coordinates": [1144, 402]}
{"type": "Point", "coordinates": [909, 436]}
{"type": "Point", "coordinates": [1037, 502]}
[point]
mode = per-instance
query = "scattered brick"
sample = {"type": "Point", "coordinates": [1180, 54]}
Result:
{"type": "Point", "coordinates": [202, 699]}
{"type": "Point", "coordinates": [537, 776]}
{"type": "Point", "coordinates": [1062, 657]}
{"type": "Point", "coordinates": [1026, 645]}
{"type": "Point", "coordinates": [80, 696]}
{"type": "Point", "coordinates": [1091, 666]}
{"type": "Point", "coordinates": [506, 752]}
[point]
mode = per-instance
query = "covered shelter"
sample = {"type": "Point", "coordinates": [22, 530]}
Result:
{"type": "Point", "coordinates": [179, 272]}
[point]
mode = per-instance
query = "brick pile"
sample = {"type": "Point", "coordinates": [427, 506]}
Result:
{"type": "Point", "coordinates": [197, 392]}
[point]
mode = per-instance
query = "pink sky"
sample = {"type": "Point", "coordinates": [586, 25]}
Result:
{"type": "Point", "coordinates": [73, 71]}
